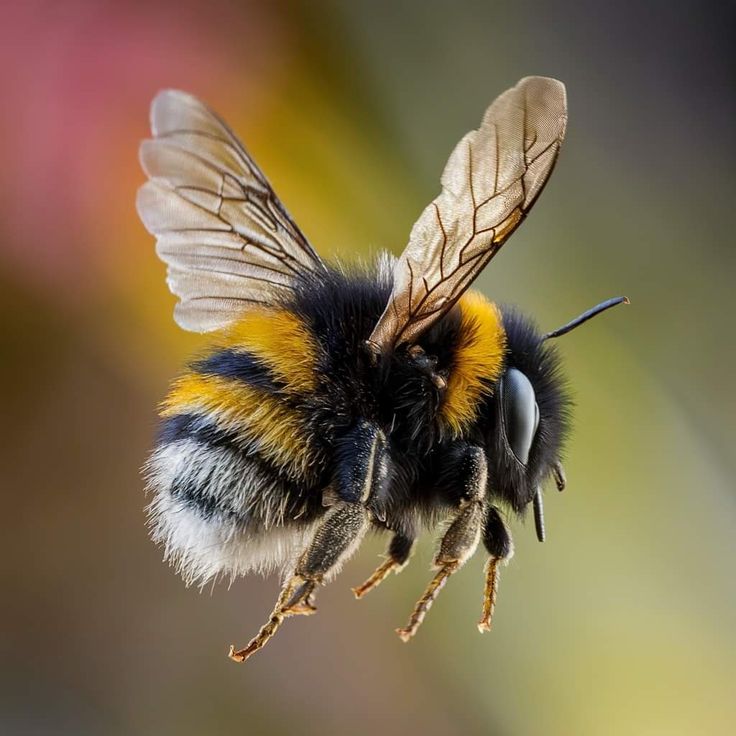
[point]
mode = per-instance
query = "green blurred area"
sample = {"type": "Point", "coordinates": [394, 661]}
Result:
{"type": "Point", "coordinates": [624, 622]}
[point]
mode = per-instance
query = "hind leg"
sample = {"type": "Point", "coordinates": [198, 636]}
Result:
{"type": "Point", "coordinates": [339, 534]}
{"type": "Point", "coordinates": [359, 483]}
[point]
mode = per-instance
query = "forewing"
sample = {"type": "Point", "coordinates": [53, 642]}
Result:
{"type": "Point", "coordinates": [228, 241]}
{"type": "Point", "coordinates": [490, 182]}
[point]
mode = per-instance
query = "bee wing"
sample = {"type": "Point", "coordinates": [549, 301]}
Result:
{"type": "Point", "coordinates": [490, 182]}
{"type": "Point", "coordinates": [227, 239]}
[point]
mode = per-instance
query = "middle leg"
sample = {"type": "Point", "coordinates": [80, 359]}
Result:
{"type": "Point", "coordinates": [467, 484]}
{"type": "Point", "coordinates": [399, 551]}
{"type": "Point", "coordinates": [359, 478]}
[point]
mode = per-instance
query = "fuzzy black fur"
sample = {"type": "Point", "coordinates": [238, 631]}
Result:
{"type": "Point", "coordinates": [392, 406]}
{"type": "Point", "coordinates": [194, 491]}
{"type": "Point", "coordinates": [240, 365]}
{"type": "Point", "coordinates": [341, 309]}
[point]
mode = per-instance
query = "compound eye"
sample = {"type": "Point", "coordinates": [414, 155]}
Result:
{"type": "Point", "coordinates": [519, 413]}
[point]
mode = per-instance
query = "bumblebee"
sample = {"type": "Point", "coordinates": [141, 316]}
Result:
{"type": "Point", "coordinates": [335, 400]}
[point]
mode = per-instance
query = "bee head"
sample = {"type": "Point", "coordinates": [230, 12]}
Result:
{"type": "Point", "coordinates": [530, 413]}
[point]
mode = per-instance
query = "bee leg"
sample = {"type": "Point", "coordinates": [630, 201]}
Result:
{"type": "Point", "coordinates": [336, 539]}
{"type": "Point", "coordinates": [301, 602]}
{"type": "Point", "coordinates": [359, 480]}
{"type": "Point", "coordinates": [399, 551]}
{"type": "Point", "coordinates": [268, 629]}
{"type": "Point", "coordinates": [457, 545]}
{"type": "Point", "coordinates": [462, 536]}
{"type": "Point", "coordinates": [497, 540]}
{"type": "Point", "coordinates": [337, 536]}
{"type": "Point", "coordinates": [360, 484]}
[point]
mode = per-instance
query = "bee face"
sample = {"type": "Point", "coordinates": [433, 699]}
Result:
{"type": "Point", "coordinates": [529, 413]}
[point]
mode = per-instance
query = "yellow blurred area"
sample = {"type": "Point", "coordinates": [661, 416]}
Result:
{"type": "Point", "coordinates": [624, 622]}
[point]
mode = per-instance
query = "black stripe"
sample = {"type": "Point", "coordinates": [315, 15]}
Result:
{"type": "Point", "coordinates": [201, 429]}
{"type": "Point", "coordinates": [197, 497]}
{"type": "Point", "coordinates": [240, 365]}
{"type": "Point", "coordinates": [194, 427]}
{"type": "Point", "coordinates": [274, 479]}
{"type": "Point", "coordinates": [198, 500]}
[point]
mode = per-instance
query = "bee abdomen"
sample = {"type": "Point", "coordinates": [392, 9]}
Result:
{"type": "Point", "coordinates": [208, 468]}
{"type": "Point", "coordinates": [270, 424]}
{"type": "Point", "coordinates": [237, 471]}
{"type": "Point", "coordinates": [219, 506]}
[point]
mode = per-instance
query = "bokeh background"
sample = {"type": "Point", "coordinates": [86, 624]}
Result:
{"type": "Point", "coordinates": [624, 622]}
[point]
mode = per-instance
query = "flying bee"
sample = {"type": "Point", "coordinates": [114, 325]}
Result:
{"type": "Point", "coordinates": [335, 400]}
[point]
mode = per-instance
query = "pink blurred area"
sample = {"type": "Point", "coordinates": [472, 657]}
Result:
{"type": "Point", "coordinates": [77, 78]}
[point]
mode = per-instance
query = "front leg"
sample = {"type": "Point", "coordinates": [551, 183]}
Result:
{"type": "Point", "coordinates": [466, 479]}
{"type": "Point", "coordinates": [360, 478]}
{"type": "Point", "coordinates": [497, 540]}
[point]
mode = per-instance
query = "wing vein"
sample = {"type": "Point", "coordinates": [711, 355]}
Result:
{"type": "Point", "coordinates": [217, 220]}
{"type": "Point", "coordinates": [478, 207]}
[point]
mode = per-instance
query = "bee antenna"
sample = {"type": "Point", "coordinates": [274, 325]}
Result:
{"type": "Point", "coordinates": [585, 316]}
{"type": "Point", "coordinates": [539, 515]}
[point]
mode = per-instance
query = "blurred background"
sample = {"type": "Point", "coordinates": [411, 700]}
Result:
{"type": "Point", "coordinates": [624, 622]}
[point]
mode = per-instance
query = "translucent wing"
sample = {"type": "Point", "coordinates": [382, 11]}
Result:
{"type": "Point", "coordinates": [227, 239]}
{"type": "Point", "coordinates": [490, 182]}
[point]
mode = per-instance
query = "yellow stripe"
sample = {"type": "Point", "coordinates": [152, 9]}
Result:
{"type": "Point", "coordinates": [277, 431]}
{"type": "Point", "coordinates": [478, 361]}
{"type": "Point", "coordinates": [281, 341]}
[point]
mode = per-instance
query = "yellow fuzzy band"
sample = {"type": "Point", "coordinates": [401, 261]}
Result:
{"type": "Point", "coordinates": [273, 428]}
{"type": "Point", "coordinates": [281, 341]}
{"type": "Point", "coordinates": [477, 364]}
